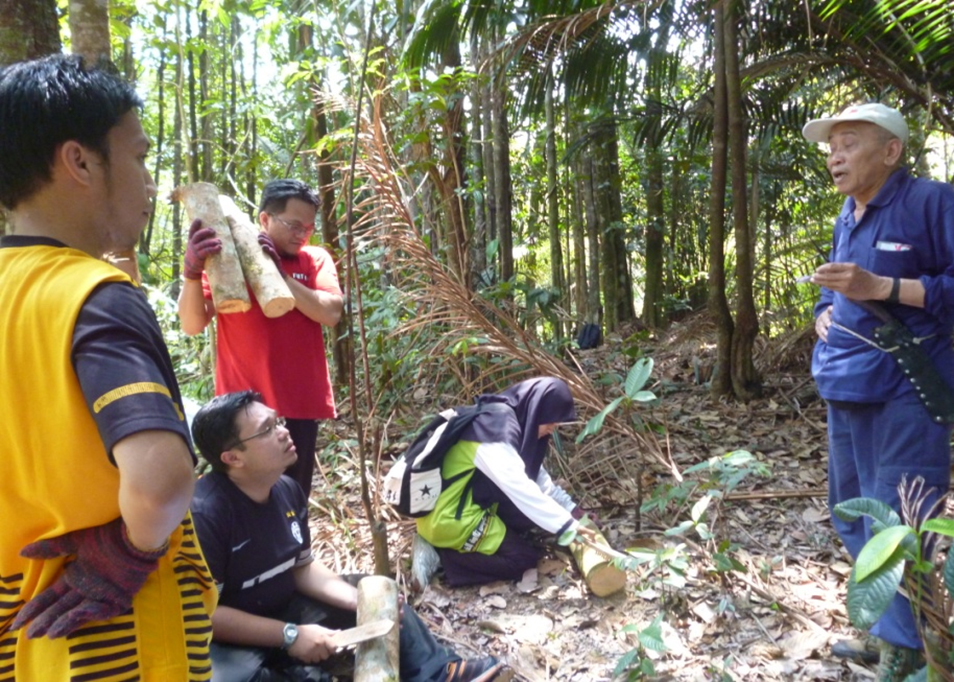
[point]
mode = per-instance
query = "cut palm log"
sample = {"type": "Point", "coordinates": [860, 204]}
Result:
{"type": "Point", "coordinates": [378, 660]}
{"type": "Point", "coordinates": [229, 293]}
{"type": "Point", "coordinates": [266, 282]}
{"type": "Point", "coordinates": [595, 561]}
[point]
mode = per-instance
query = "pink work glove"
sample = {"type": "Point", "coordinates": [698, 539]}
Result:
{"type": "Point", "coordinates": [203, 243]}
{"type": "Point", "coordinates": [268, 246]}
{"type": "Point", "coordinates": [578, 513]}
{"type": "Point", "coordinates": [99, 583]}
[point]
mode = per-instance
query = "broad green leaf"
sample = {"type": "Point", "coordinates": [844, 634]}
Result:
{"type": "Point", "coordinates": [881, 514]}
{"type": "Point", "coordinates": [643, 397]}
{"type": "Point", "coordinates": [942, 526]}
{"type": "Point", "coordinates": [680, 529]}
{"type": "Point", "coordinates": [868, 600]}
{"type": "Point", "coordinates": [638, 376]}
{"type": "Point", "coordinates": [699, 508]}
{"type": "Point", "coordinates": [651, 636]}
{"type": "Point", "coordinates": [625, 661]}
{"type": "Point", "coordinates": [596, 423]}
{"type": "Point", "coordinates": [878, 550]}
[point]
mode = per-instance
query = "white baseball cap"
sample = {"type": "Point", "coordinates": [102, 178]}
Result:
{"type": "Point", "coordinates": [817, 130]}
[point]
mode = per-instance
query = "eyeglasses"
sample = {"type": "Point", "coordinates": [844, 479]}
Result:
{"type": "Point", "coordinates": [295, 228]}
{"type": "Point", "coordinates": [279, 421]}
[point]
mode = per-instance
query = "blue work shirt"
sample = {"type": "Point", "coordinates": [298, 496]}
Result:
{"type": "Point", "coordinates": [906, 231]}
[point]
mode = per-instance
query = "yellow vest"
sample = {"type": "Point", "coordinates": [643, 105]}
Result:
{"type": "Point", "coordinates": [56, 477]}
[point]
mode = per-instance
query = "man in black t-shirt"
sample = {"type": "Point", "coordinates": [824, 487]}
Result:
{"type": "Point", "coordinates": [252, 523]}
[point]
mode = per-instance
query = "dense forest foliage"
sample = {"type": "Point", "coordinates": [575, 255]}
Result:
{"type": "Point", "coordinates": [561, 162]}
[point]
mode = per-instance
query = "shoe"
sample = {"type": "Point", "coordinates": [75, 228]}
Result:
{"type": "Point", "coordinates": [478, 670]}
{"type": "Point", "coordinates": [861, 650]}
{"type": "Point", "coordinates": [897, 662]}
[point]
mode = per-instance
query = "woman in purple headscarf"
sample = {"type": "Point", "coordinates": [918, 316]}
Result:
{"type": "Point", "coordinates": [496, 489]}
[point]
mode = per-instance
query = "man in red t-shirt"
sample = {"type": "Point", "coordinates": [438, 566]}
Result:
{"type": "Point", "coordinates": [282, 358]}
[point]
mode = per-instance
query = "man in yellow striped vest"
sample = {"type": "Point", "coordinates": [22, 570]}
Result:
{"type": "Point", "coordinates": [101, 576]}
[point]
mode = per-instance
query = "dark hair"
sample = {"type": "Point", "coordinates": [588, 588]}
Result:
{"type": "Point", "coordinates": [276, 194]}
{"type": "Point", "coordinates": [49, 101]}
{"type": "Point", "coordinates": [215, 427]}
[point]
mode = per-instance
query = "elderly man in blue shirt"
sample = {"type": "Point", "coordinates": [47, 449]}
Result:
{"type": "Point", "coordinates": [893, 244]}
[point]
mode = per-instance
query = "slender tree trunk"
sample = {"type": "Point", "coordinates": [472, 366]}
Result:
{"type": "Point", "coordinates": [745, 379]}
{"type": "Point", "coordinates": [453, 182]}
{"type": "Point", "coordinates": [89, 29]}
{"type": "Point", "coordinates": [503, 191]}
{"type": "Point", "coordinates": [194, 155]}
{"type": "Point", "coordinates": [594, 310]}
{"type": "Point", "coordinates": [487, 148]}
{"type": "Point", "coordinates": [477, 182]}
{"type": "Point", "coordinates": [718, 304]}
{"type": "Point", "coordinates": [553, 209]}
{"type": "Point", "coordinates": [177, 168]}
{"type": "Point", "coordinates": [616, 280]}
{"type": "Point", "coordinates": [145, 239]}
{"type": "Point", "coordinates": [207, 117]}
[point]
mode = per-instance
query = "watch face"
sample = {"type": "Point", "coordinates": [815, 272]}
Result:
{"type": "Point", "coordinates": [290, 634]}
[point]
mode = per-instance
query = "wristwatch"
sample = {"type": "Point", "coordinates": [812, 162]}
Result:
{"type": "Point", "coordinates": [289, 635]}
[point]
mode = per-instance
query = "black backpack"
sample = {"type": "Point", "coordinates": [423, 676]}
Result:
{"type": "Point", "coordinates": [414, 482]}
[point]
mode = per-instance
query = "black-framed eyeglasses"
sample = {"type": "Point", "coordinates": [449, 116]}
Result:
{"type": "Point", "coordinates": [279, 421]}
{"type": "Point", "coordinates": [295, 228]}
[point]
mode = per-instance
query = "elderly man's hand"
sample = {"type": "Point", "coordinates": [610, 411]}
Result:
{"type": "Point", "coordinates": [853, 281]}
{"type": "Point", "coordinates": [822, 323]}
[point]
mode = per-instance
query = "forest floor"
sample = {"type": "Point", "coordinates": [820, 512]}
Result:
{"type": "Point", "coordinates": [772, 617]}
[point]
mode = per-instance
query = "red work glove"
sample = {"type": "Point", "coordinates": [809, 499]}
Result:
{"type": "Point", "coordinates": [99, 583]}
{"type": "Point", "coordinates": [268, 246]}
{"type": "Point", "coordinates": [203, 243]}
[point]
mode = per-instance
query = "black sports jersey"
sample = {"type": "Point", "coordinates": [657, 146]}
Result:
{"type": "Point", "coordinates": [251, 548]}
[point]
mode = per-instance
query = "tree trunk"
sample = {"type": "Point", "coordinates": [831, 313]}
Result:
{"type": "Point", "coordinates": [746, 383]}
{"type": "Point", "coordinates": [503, 189]}
{"type": "Point", "coordinates": [594, 310]}
{"type": "Point", "coordinates": [477, 183]}
{"type": "Point", "coordinates": [28, 29]}
{"type": "Point", "coordinates": [718, 305]}
{"type": "Point", "coordinates": [553, 210]}
{"type": "Point", "coordinates": [616, 280]}
{"type": "Point", "coordinates": [89, 29]}
{"type": "Point", "coordinates": [145, 239]}
{"type": "Point", "coordinates": [487, 149]}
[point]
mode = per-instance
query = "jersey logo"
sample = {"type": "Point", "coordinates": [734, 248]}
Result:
{"type": "Point", "coordinates": [296, 531]}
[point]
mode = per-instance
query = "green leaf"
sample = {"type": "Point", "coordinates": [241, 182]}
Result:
{"type": "Point", "coordinates": [942, 526]}
{"type": "Point", "coordinates": [625, 661]}
{"type": "Point", "coordinates": [651, 636]}
{"type": "Point", "coordinates": [868, 600]}
{"type": "Point", "coordinates": [566, 537]}
{"type": "Point", "coordinates": [878, 550]}
{"type": "Point", "coordinates": [643, 397]}
{"type": "Point", "coordinates": [699, 508]}
{"type": "Point", "coordinates": [881, 514]}
{"type": "Point", "coordinates": [596, 423]}
{"type": "Point", "coordinates": [637, 376]}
